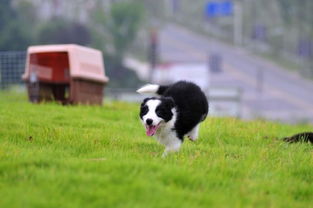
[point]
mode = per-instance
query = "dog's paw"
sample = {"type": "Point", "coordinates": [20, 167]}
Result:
{"type": "Point", "coordinates": [192, 138]}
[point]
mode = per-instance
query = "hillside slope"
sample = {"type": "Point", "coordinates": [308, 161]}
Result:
{"type": "Point", "coordinates": [82, 156]}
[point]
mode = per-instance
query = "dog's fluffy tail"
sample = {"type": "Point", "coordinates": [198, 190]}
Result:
{"type": "Point", "coordinates": [152, 89]}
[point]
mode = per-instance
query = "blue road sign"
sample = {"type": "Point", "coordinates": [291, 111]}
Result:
{"type": "Point", "coordinates": [218, 9]}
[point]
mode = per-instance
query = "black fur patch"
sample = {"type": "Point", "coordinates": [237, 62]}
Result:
{"type": "Point", "coordinates": [144, 108]}
{"type": "Point", "coordinates": [164, 110]}
{"type": "Point", "coordinates": [301, 137]}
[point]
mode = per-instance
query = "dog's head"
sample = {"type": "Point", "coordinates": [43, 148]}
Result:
{"type": "Point", "coordinates": [156, 113]}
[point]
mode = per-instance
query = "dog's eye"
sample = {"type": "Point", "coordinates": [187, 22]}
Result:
{"type": "Point", "coordinates": [160, 111]}
{"type": "Point", "coordinates": [144, 109]}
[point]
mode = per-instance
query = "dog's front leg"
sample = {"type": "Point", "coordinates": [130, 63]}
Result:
{"type": "Point", "coordinates": [172, 146]}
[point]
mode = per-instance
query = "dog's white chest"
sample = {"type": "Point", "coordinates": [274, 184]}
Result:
{"type": "Point", "coordinates": [166, 136]}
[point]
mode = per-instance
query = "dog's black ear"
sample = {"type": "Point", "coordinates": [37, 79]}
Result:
{"type": "Point", "coordinates": [144, 101]}
{"type": "Point", "coordinates": [147, 99]}
{"type": "Point", "coordinates": [169, 101]}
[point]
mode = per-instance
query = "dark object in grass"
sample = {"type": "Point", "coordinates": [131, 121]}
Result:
{"type": "Point", "coordinates": [30, 139]}
{"type": "Point", "coordinates": [301, 137]}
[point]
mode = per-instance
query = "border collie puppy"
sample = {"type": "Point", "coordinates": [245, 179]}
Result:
{"type": "Point", "coordinates": [176, 113]}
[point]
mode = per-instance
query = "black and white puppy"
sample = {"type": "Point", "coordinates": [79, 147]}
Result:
{"type": "Point", "coordinates": [175, 114]}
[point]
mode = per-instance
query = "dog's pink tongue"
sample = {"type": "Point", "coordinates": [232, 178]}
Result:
{"type": "Point", "coordinates": [151, 130]}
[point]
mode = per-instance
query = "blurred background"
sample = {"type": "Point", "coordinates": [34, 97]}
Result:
{"type": "Point", "coordinates": [253, 58]}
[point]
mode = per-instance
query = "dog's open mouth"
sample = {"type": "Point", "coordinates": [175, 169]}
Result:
{"type": "Point", "coordinates": [151, 129]}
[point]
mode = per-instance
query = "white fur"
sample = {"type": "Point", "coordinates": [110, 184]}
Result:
{"type": "Point", "coordinates": [166, 136]}
{"type": "Point", "coordinates": [193, 134]}
{"type": "Point", "coordinates": [152, 105]}
{"type": "Point", "coordinates": [148, 89]}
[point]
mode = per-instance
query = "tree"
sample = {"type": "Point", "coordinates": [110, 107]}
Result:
{"type": "Point", "coordinates": [113, 32]}
{"type": "Point", "coordinates": [118, 28]}
{"type": "Point", "coordinates": [61, 31]}
{"type": "Point", "coordinates": [15, 33]}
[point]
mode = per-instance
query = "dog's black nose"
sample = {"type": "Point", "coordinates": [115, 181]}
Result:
{"type": "Point", "coordinates": [149, 121]}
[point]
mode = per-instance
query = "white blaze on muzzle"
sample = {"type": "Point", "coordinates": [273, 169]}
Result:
{"type": "Point", "coordinates": [156, 120]}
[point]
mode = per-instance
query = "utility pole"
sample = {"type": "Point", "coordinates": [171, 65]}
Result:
{"type": "Point", "coordinates": [153, 54]}
{"type": "Point", "coordinates": [237, 23]}
{"type": "Point", "coordinates": [56, 7]}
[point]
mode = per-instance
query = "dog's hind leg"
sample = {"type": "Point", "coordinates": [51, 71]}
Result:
{"type": "Point", "coordinates": [194, 133]}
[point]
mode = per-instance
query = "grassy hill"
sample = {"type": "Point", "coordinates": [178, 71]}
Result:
{"type": "Point", "coordinates": [82, 156]}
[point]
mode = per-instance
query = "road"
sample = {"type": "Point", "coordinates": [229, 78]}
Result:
{"type": "Point", "coordinates": [281, 95]}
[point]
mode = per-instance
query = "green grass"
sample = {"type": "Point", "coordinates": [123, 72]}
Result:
{"type": "Point", "coordinates": [83, 156]}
